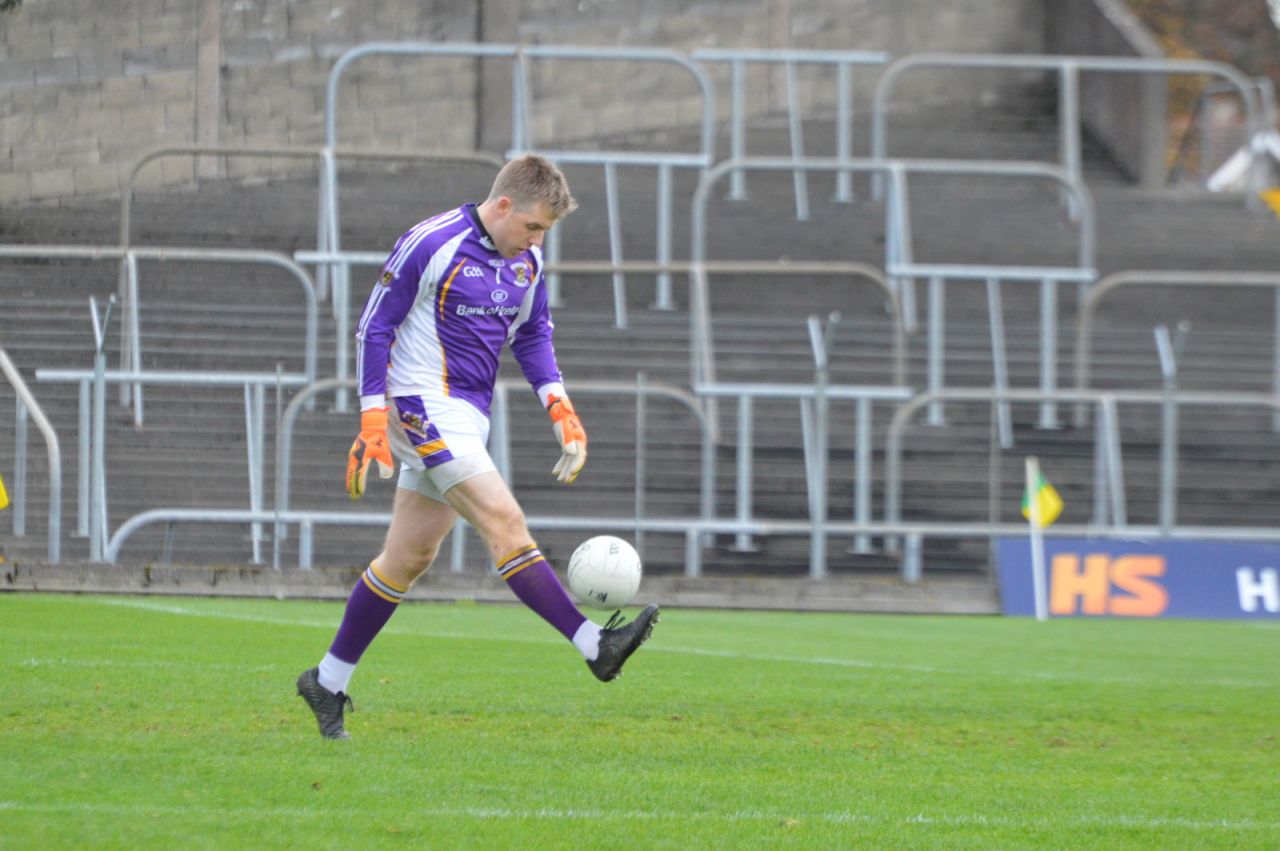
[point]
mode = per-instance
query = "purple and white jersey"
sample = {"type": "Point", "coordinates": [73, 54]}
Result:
{"type": "Point", "coordinates": [447, 301]}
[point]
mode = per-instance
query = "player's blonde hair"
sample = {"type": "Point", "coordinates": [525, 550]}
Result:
{"type": "Point", "coordinates": [532, 179]}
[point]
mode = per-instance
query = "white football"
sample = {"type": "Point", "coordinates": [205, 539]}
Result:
{"type": "Point", "coordinates": [604, 572]}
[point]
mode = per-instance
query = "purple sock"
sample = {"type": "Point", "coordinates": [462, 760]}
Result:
{"type": "Point", "coordinates": [370, 606]}
{"type": "Point", "coordinates": [534, 582]}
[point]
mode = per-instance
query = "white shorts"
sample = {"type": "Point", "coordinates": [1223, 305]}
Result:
{"type": "Point", "coordinates": [439, 443]}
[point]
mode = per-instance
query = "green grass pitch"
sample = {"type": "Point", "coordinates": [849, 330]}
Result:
{"type": "Point", "coordinates": [146, 722]}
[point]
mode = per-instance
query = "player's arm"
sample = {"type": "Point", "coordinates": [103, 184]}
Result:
{"type": "Point", "coordinates": [386, 308]}
{"type": "Point", "coordinates": [532, 347]}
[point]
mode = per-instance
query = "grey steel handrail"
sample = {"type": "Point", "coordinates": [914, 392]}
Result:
{"type": "Point", "coordinates": [809, 396]}
{"type": "Point", "coordinates": [130, 331]}
{"type": "Point", "coordinates": [1107, 445]}
{"type": "Point", "coordinates": [1068, 68]}
{"type": "Point", "coordinates": [284, 441]}
{"type": "Point", "coordinates": [1048, 277]}
{"type": "Point", "coordinates": [642, 389]}
{"type": "Point", "coordinates": [1176, 278]}
{"type": "Point", "coordinates": [843, 60]}
{"type": "Point", "coordinates": [26, 402]}
{"type": "Point", "coordinates": [327, 215]}
{"type": "Point", "coordinates": [523, 142]}
{"type": "Point", "coordinates": [95, 430]}
{"type": "Point", "coordinates": [714, 267]}
{"type": "Point", "coordinates": [897, 223]}
{"type": "Point", "coordinates": [520, 104]}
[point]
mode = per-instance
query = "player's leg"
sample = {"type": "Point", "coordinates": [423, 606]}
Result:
{"type": "Point", "coordinates": [488, 505]}
{"type": "Point", "coordinates": [418, 525]}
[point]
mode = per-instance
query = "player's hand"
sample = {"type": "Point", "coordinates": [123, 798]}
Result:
{"type": "Point", "coordinates": [370, 445]}
{"type": "Point", "coordinates": [572, 437]}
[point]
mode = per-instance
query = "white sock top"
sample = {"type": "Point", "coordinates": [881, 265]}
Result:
{"type": "Point", "coordinates": [587, 640]}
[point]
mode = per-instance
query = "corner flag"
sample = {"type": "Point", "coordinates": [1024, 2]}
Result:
{"type": "Point", "coordinates": [1041, 503]}
{"type": "Point", "coordinates": [4, 497]}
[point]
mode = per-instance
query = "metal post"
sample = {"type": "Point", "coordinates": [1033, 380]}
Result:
{"type": "Point", "coordinates": [821, 343]}
{"type": "Point", "coordinates": [912, 567]}
{"type": "Point", "coordinates": [999, 360]}
{"type": "Point", "coordinates": [1069, 130]}
{"type": "Point", "coordinates": [133, 340]}
{"type": "Point", "coordinates": [937, 346]}
{"type": "Point", "coordinates": [342, 334]}
{"type": "Point", "coordinates": [692, 553]}
{"type": "Point", "coordinates": [615, 245]}
{"type": "Point", "coordinates": [1168, 351]}
{"type": "Point", "coordinates": [737, 129]}
{"type": "Point", "coordinates": [862, 474]}
{"type": "Point", "coordinates": [1100, 472]}
{"type": "Point", "coordinates": [1048, 351]}
{"type": "Point", "coordinates": [551, 253]}
{"type": "Point", "coordinates": [82, 462]}
{"type": "Point", "coordinates": [663, 283]}
{"type": "Point", "coordinates": [742, 540]}
{"type": "Point", "coordinates": [458, 546]}
{"type": "Point", "coordinates": [800, 177]}
{"type": "Point", "coordinates": [1115, 465]}
{"type": "Point", "coordinates": [98, 487]}
{"type": "Point", "coordinates": [641, 460]}
{"type": "Point", "coordinates": [255, 411]}
{"type": "Point", "coordinates": [19, 498]}
{"type": "Point", "coordinates": [500, 439]}
{"type": "Point", "coordinates": [304, 544]}
{"type": "Point", "coordinates": [844, 130]}
{"type": "Point", "coordinates": [322, 228]}
{"type": "Point", "coordinates": [898, 215]}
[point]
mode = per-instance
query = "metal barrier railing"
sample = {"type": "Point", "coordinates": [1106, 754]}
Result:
{"type": "Point", "coordinates": [898, 245]}
{"type": "Point", "coordinates": [1110, 516]}
{"type": "Point", "coordinates": [1068, 69]}
{"type": "Point", "coordinates": [815, 439]}
{"type": "Point", "coordinates": [25, 403]}
{"type": "Point", "coordinates": [91, 500]}
{"type": "Point", "coordinates": [993, 276]}
{"type": "Point", "coordinates": [326, 160]}
{"type": "Point", "coordinates": [844, 61]}
{"type": "Point", "coordinates": [131, 333]}
{"type": "Point", "coordinates": [1109, 520]}
{"type": "Point", "coordinates": [522, 136]}
{"type": "Point", "coordinates": [642, 390]}
{"type": "Point", "coordinates": [500, 448]}
{"type": "Point", "coordinates": [1178, 278]}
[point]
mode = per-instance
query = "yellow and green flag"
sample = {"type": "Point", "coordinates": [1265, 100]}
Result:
{"type": "Point", "coordinates": [1047, 501]}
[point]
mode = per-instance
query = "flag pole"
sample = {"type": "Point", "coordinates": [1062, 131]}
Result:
{"type": "Point", "coordinates": [1037, 539]}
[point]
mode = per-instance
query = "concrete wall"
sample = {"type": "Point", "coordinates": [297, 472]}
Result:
{"type": "Point", "coordinates": [1125, 112]}
{"type": "Point", "coordinates": [86, 87]}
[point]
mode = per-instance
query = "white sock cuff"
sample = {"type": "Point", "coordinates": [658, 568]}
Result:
{"type": "Point", "coordinates": [587, 640]}
{"type": "Point", "coordinates": [335, 674]}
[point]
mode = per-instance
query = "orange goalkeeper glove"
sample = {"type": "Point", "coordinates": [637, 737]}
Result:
{"type": "Point", "coordinates": [572, 437]}
{"type": "Point", "coordinates": [369, 446]}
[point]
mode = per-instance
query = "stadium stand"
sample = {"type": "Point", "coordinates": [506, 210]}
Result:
{"type": "Point", "coordinates": [191, 450]}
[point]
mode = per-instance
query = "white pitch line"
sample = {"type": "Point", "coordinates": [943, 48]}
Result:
{"type": "Point", "coordinates": [392, 629]}
{"type": "Point", "coordinates": [1126, 822]}
{"type": "Point", "coordinates": [149, 664]}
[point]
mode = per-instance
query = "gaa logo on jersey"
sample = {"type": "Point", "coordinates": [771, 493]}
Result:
{"type": "Point", "coordinates": [472, 272]}
{"type": "Point", "coordinates": [499, 296]}
{"type": "Point", "coordinates": [522, 274]}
